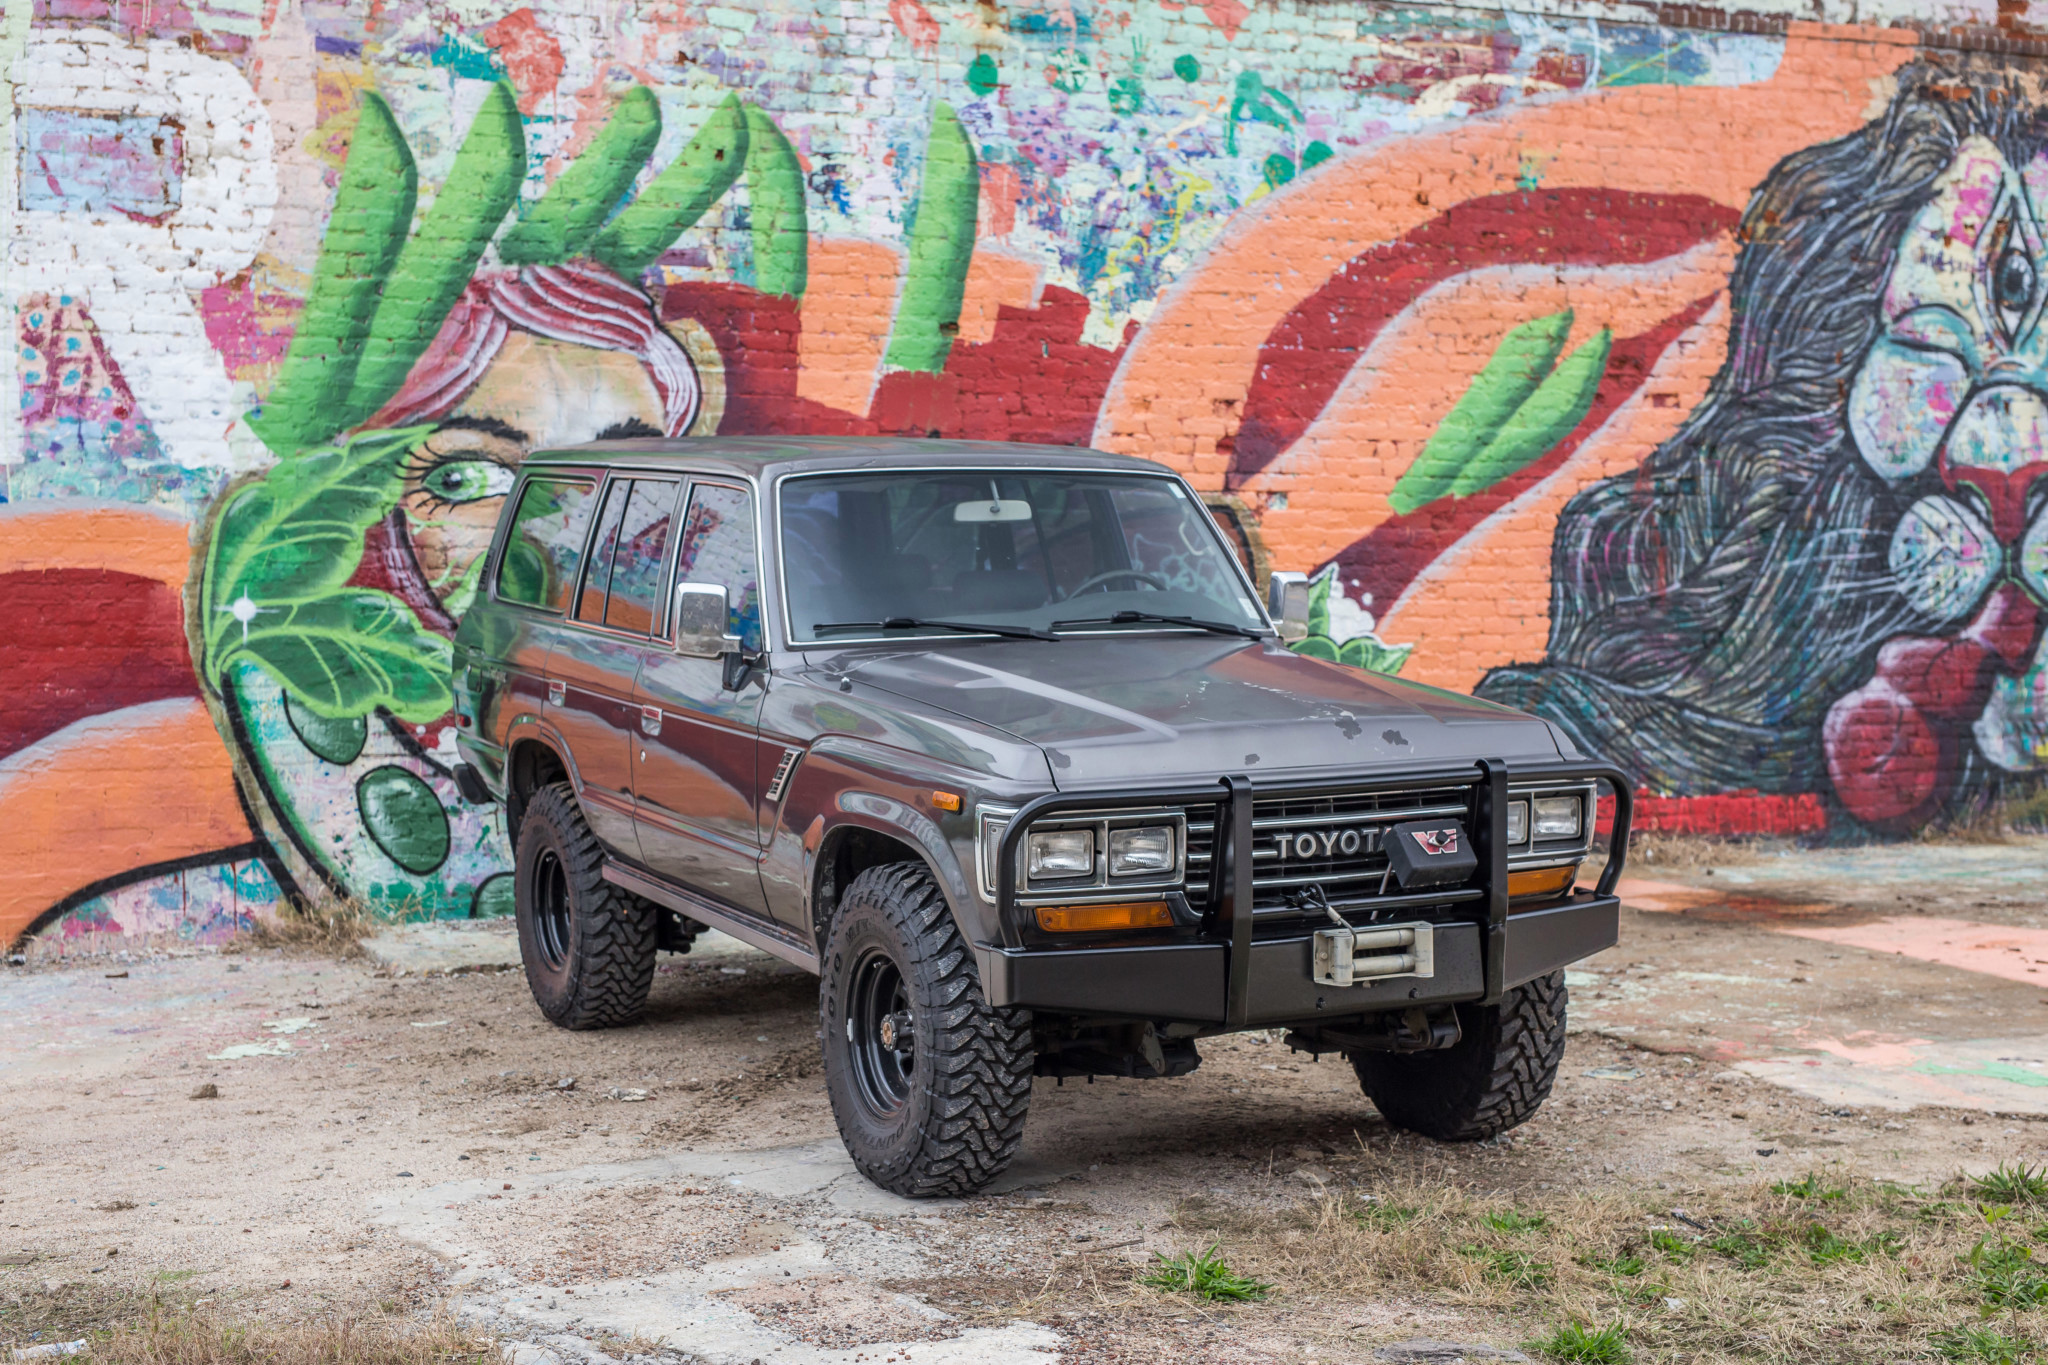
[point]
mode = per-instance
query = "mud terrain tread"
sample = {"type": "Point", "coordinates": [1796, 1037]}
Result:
{"type": "Point", "coordinates": [980, 1087]}
{"type": "Point", "coordinates": [1495, 1079]}
{"type": "Point", "coordinates": [613, 968]}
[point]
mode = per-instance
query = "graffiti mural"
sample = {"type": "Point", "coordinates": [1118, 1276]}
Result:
{"type": "Point", "coordinates": [1677, 383]}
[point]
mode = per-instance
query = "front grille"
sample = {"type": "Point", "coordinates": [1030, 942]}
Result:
{"type": "Point", "coordinates": [1327, 841]}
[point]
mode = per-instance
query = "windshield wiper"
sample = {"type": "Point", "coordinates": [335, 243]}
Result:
{"type": "Point", "coordinates": [1131, 618]}
{"type": "Point", "coordinates": [920, 623]}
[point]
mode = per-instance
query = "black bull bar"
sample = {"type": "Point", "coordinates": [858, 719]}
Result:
{"type": "Point", "coordinates": [1229, 922]}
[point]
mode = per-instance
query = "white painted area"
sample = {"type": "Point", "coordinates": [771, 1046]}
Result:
{"type": "Point", "coordinates": [683, 1309]}
{"type": "Point", "coordinates": [140, 278]}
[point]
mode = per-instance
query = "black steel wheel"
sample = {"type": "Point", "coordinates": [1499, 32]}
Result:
{"type": "Point", "coordinates": [588, 947]}
{"type": "Point", "coordinates": [1494, 1078]}
{"type": "Point", "coordinates": [929, 1083]}
{"type": "Point", "coordinates": [881, 1035]}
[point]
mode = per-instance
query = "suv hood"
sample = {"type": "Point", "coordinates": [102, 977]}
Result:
{"type": "Point", "coordinates": [1113, 710]}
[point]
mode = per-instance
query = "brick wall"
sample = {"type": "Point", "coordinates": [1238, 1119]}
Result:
{"type": "Point", "coordinates": [1675, 373]}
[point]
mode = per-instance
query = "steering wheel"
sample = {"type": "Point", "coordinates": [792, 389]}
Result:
{"type": "Point", "coordinates": [1152, 581]}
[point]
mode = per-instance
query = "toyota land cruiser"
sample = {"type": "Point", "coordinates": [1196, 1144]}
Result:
{"type": "Point", "coordinates": [999, 742]}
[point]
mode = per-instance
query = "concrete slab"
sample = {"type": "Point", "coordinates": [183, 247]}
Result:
{"type": "Point", "coordinates": [451, 946]}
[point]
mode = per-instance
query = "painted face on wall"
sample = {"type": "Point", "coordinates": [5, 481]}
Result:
{"type": "Point", "coordinates": [1953, 398]}
{"type": "Point", "coordinates": [536, 394]}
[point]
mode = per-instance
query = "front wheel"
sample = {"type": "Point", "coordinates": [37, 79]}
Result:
{"type": "Point", "coordinates": [1494, 1078]}
{"type": "Point", "coordinates": [929, 1084]}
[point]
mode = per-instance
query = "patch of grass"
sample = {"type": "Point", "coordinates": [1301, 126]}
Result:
{"type": "Point", "coordinates": [1886, 1271]}
{"type": "Point", "coordinates": [1986, 1345]}
{"type": "Point", "coordinates": [2006, 1274]}
{"type": "Point", "coordinates": [1205, 1275]}
{"type": "Point", "coordinates": [2013, 1183]}
{"type": "Point", "coordinates": [1808, 1186]}
{"type": "Point", "coordinates": [1516, 1268]}
{"type": "Point", "coordinates": [1379, 1214]}
{"type": "Point", "coordinates": [1625, 1266]}
{"type": "Point", "coordinates": [1746, 1246]}
{"type": "Point", "coordinates": [1673, 1245]}
{"type": "Point", "coordinates": [1585, 1345]}
{"type": "Point", "coordinates": [1510, 1220]}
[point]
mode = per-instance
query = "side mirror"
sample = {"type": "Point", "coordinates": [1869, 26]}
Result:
{"type": "Point", "coordinates": [700, 618]}
{"type": "Point", "coordinates": [1287, 604]}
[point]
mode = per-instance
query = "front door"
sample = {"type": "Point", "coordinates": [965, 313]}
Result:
{"type": "Point", "coordinates": [695, 779]}
{"type": "Point", "coordinates": [599, 652]}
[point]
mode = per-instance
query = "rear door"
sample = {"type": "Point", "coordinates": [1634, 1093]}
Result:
{"type": "Point", "coordinates": [695, 779]}
{"type": "Point", "coordinates": [592, 667]}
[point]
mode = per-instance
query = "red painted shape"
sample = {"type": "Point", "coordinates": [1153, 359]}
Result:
{"type": "Point", "coordinates": [241, 324]}
{"type": "Point", "coordinates": [80, 642]}
{"type": "Point", "coordinates": [530, 53]}
{"type": "Point", "coordinates": [1307, 356]}
{"type": "Point", "coordinates": [1385, 561]}
{"type": "Point", "coordinates": [1034, 380]}
{"type": "Point", "coordinates": [1894, 745]}
{"type": "Point", "coordinates": [1723, 813]}
{"type": "Point", "coordinates": [2006, 493]}
{"type": "Point", "coordinates": [916, 23]}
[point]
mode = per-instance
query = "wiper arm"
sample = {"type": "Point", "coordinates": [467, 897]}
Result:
{"type": "Point", "coordinates": [920, 623]}
{"type": "Point", "coordinates": [1131, 618]}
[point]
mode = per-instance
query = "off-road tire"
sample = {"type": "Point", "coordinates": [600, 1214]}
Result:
{"type": "Point", "coordinates": [968, 1084]}
{"type": "Point", "coordinates": [588, 946]}
{"type": "Point", "coordinates": [1495, 1077]}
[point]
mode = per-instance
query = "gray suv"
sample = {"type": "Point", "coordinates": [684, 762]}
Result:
{"type": "Point", "coordinates": [999, 742]}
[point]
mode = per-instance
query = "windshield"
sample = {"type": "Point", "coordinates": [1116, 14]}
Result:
{"type": "Point", "coordinates": [1022, 551]}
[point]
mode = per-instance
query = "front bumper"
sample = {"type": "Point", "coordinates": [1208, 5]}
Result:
{"type": "Point", "coordinates": [1235, 975]}
{"type": "Point", "coordinates": [1190, 980]}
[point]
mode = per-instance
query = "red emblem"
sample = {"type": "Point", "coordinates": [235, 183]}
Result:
{"type": "Point", "coordinates": [1436, 842]}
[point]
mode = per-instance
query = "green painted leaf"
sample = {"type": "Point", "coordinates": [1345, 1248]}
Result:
{"type": "Point", "coordinates": [299, 534]}
{"type": "Point", "coordinates": [349, 653]}
{"type": "Point", "coordinates": [674, 200]}
{"type": "Point", "coordinates": [1317, 647]}
{"type": "Point", "coordinates": [434, 266]}
{"type": "Point", "coordinates": [941, 247]}
{"type": "Point", "coordinates": [1517, 366]}
{"type": "Point", "coordinates": [404, 817]}
{"type": "Point", "coordinates": [562, 224]}
{"type": "Point", "coordinates": [775, 197]}
{"type": "Point", "coordinates": [1557, 406]}
{"type": "Point", "coordinates": [1372, 653]}
{"type": "Point", "coordinates": [372, 214]}
{"type": "Point", "coordinates": [1319, 589]}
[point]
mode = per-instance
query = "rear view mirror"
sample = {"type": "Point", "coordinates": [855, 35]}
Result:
{"type": "Point", "coordinates": [992, 509]}
{"type": "Point", "coordinates": [1287, 604]}
{"type": "Point", "coordinates": [700, 620]}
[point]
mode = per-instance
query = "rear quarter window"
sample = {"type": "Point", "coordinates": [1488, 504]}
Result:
{"type": "Point", "coordinates": [544, 548]}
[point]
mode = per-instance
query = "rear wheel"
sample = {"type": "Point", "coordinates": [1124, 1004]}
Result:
{"type": "Point", "coordinates": [929, 1084]}
{"type": "Point", "coordinates": [1494, 1078]}
{"type": "Point", "coordinates": [588, 946]}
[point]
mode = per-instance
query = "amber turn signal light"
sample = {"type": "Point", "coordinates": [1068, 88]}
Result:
{"type": "Point", "coordinates": [946, 800]}
{"type": "Point", "coordinates": [1541, 881]}
{"type": "Point", "coordinates": [1093, 919]}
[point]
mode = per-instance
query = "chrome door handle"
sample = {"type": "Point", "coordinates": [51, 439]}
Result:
{"type": "Point", "coordinates": [557, 693]}
{"type": "Point", "coordinates": [650, 720]}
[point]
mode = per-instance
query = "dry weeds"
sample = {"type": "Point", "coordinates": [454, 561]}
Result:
{"type": "Point", "coordinates": [331, 929]}
{"type": "Point", "coordinates": [1831, 1270]}
{"type": "Point", "coordinates": [172, 1326]}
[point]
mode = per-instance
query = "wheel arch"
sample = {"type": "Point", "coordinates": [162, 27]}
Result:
{"type": "Point", "coordinates": [884, 832]}
{"type": "Point", "coordinates": [533, 760]}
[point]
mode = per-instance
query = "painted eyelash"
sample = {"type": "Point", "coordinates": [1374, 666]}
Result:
{"type": "Point", "coordinates": [422, 461]}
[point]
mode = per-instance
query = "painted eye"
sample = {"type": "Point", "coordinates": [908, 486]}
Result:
{"type": "Point", "coordinates": [2012, 285]}
{"type": "Point", "coordinates": [467, 480]}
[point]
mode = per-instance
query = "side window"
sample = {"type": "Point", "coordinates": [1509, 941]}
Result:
{"type": "Point", "coordinates": [603, 548]}
{"type": "Point", "coordinates": [636, 566]}
{"type": "Point", "coordinates": [545, 546]}
{"type": "Point", "coordinates": [717, 546]}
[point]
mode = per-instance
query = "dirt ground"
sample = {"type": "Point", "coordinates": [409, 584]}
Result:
{"type": "Point", "coordinates": [389, 1141]}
